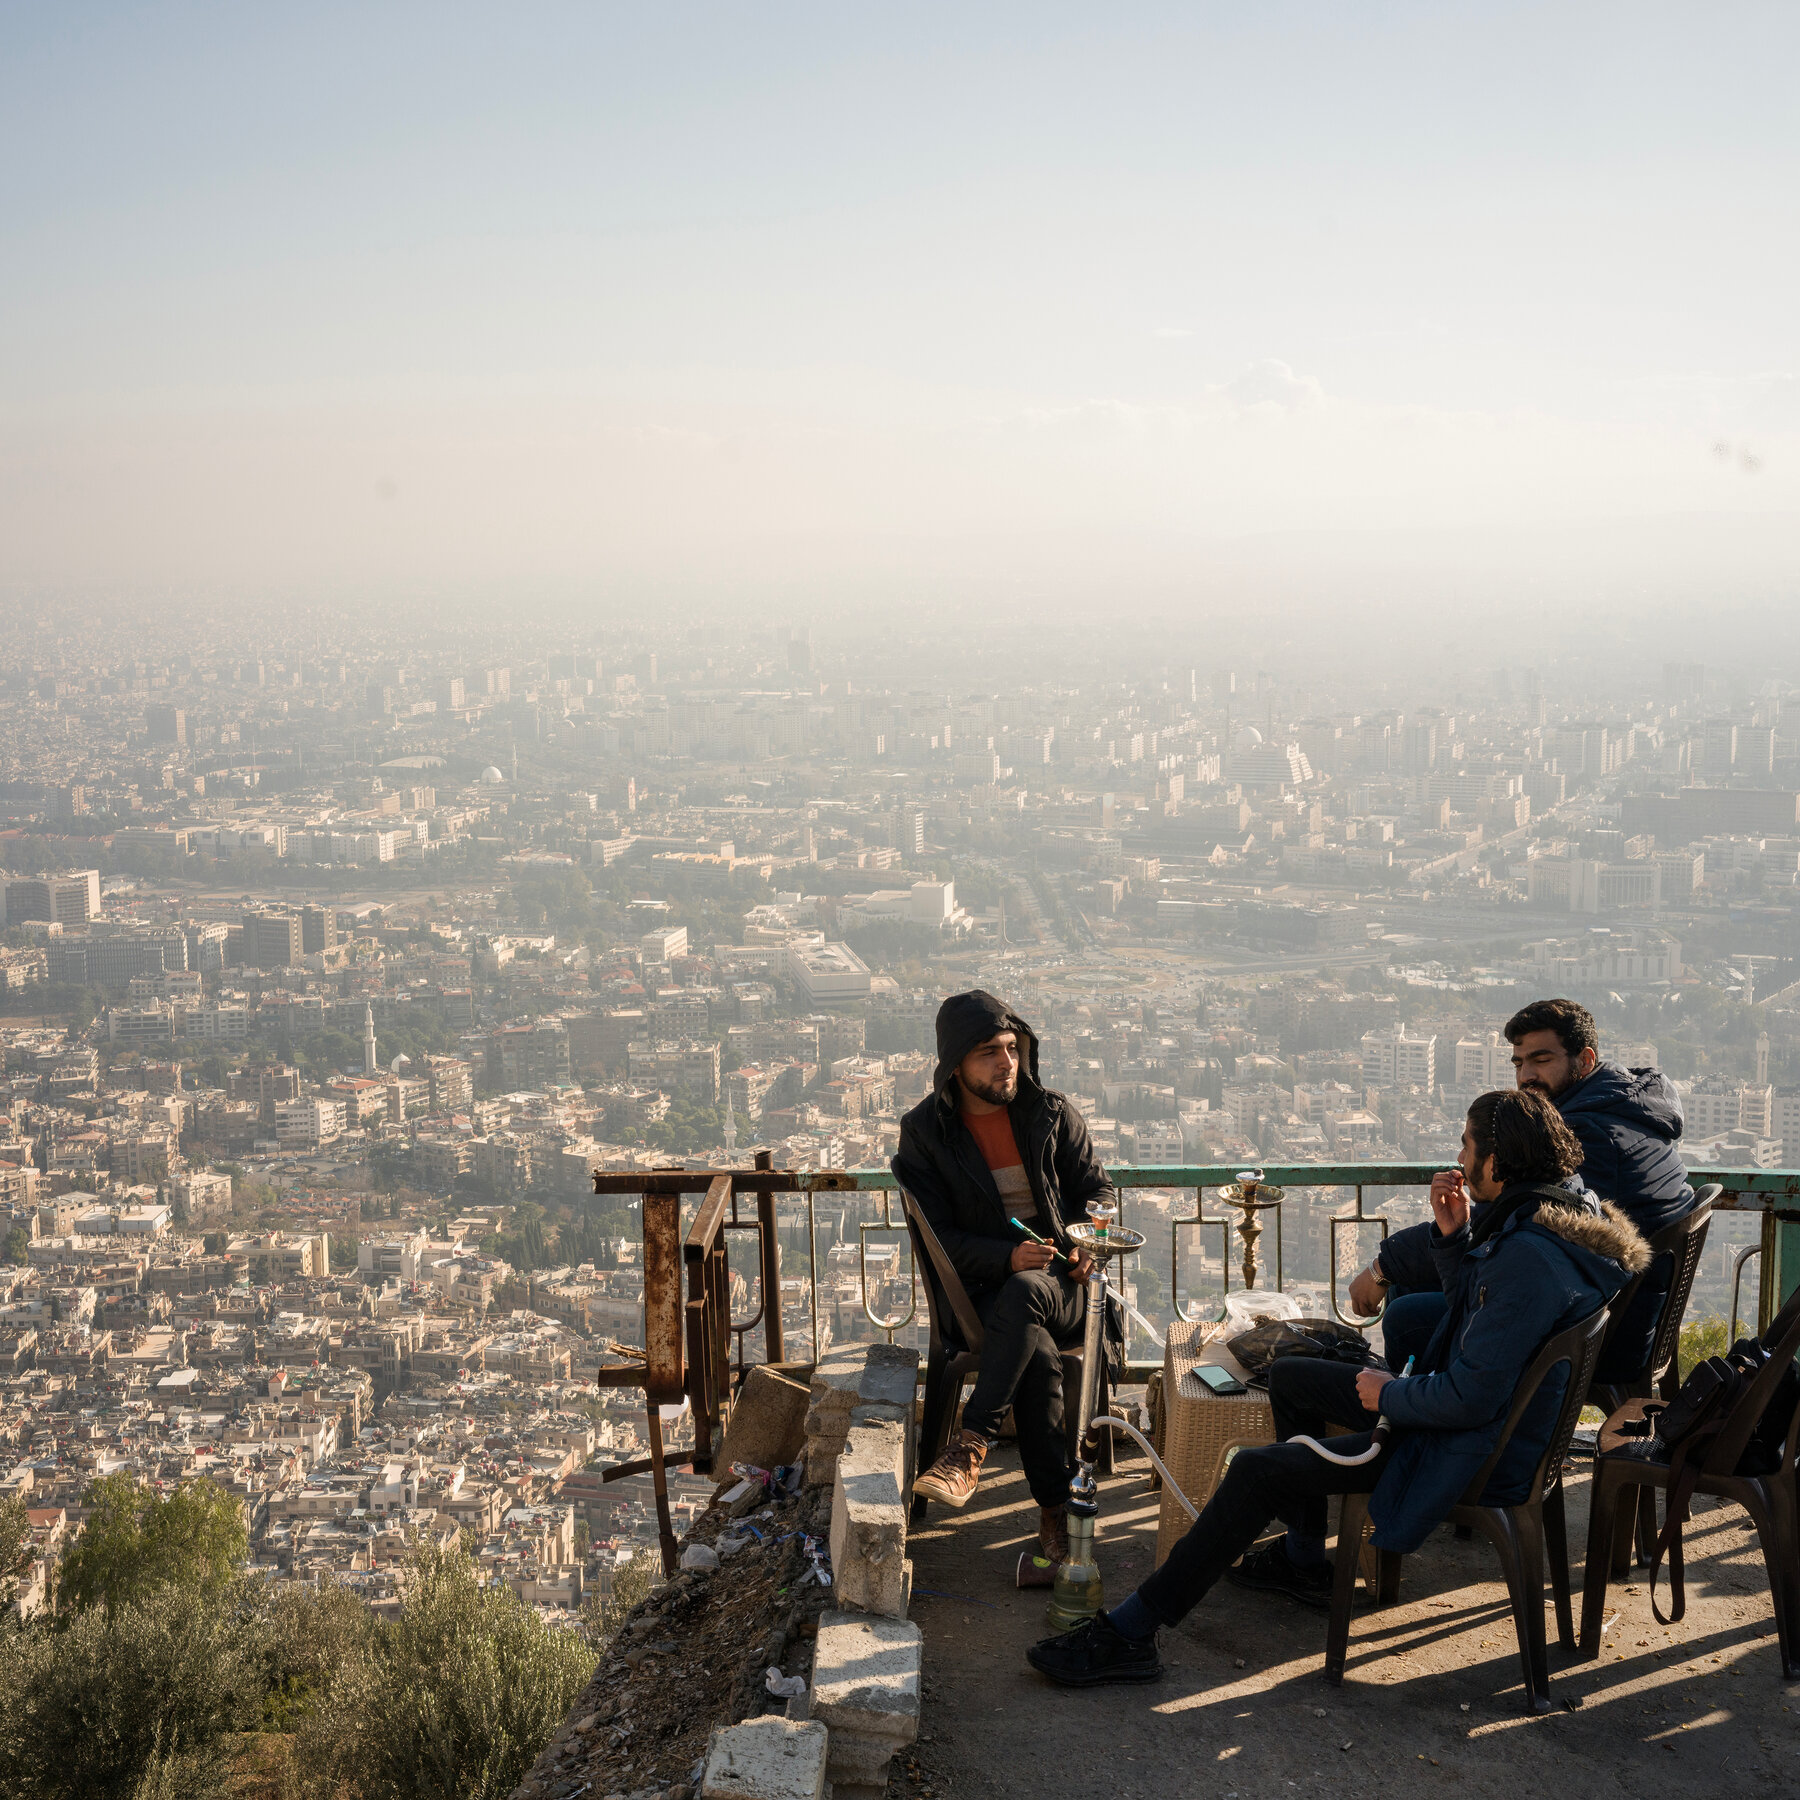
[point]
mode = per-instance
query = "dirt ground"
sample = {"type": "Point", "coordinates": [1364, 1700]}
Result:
{"type": "Point", "coordinates": [691, 1657]}
{"type": "Point", "coordinates": [1431, 1697]}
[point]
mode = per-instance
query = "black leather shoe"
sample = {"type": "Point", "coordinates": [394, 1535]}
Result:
{"type": "Point", "coordinates": [1270, 1571]}
{"type": "Point", "coordinates": [1094, 1654]}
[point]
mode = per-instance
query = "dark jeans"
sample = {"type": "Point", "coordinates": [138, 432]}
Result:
{"type": "Point", "coordinates": [1407, 1325]}
{"type": "Point", "coordinates": [1026, 1322]}
{"type": "Point", "coordinates": [1273, 1481]}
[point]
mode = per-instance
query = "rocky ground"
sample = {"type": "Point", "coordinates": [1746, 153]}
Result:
{"type": "Point", "coordinates": [691, 1658]}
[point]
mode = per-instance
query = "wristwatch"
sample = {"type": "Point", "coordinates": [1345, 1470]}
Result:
{"type": "Point", "coordinates": [1375, 1272]}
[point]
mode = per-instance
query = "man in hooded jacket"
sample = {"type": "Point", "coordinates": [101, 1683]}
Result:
{"type": "Point", "coordinates": [1537, 1259]}
{"type": "Point", "coordinates": [990, 1145]}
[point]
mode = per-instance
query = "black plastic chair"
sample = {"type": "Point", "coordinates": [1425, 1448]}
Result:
{"type": "Point", "coordinates": [953, 1352]}
{"type": "Point", "coordinates": [1521, 1532]}
{"type": "Point", "coordinates": [1683, 1241]}
{"type": "Point", "coordinates": [1769, 1499]}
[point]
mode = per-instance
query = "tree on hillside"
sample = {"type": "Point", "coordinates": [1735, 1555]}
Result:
{"type": "Point", "coordinates": [15, 1537]}
{"type": "Point", "coordinates": [137, 1541]}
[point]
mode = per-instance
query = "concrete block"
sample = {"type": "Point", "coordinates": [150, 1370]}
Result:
{"type": "Point", "coordinates": [866, 1677]}
{"type": "Point", "coordinates": [768, 1421]}
{"type": "Point", "coordinates": [868, 1521]}
{"type": "Point", "coordinates": [857, 1759]}
{"type": "Point", "coordinates": [879, 1412]}
{"type": "Point", "coordinates": [836, 1377]}
{"type": "Point", "coordinates": [770, 1758]}
{"type": "Point", "coordinates": [890, 1376]}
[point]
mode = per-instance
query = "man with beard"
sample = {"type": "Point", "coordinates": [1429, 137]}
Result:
{"type": "Point", "coordinates": [990, 1145]}
{"type": "Point", "coordinates": [1628, 1122]}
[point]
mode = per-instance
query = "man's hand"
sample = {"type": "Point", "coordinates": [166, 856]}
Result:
{"type": "Point", "coordinates": [1027, 1255]}
{"type": "Point", "coordinates": [1081, 1266]}
{"type": "Point", "coordinates": [1369, 1383]}
{"type": "Point", "coordinates": [1450, 1201]}
{"type": "Point", "coordinates": [1366, 1291]}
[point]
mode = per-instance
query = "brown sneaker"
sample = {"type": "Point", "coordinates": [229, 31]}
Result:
{"type": "Point", "coordinates": [1053, 1534]}
{"type": "Point", "coordinates": [953, 1476]}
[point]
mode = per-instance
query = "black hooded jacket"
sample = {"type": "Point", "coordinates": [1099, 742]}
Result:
{"type": "Point", "coordinates": [941, 1166]}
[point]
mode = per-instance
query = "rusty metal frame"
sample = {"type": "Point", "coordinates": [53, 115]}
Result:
{"type": "Point", "coordinates": [1359, 1217]}
{"type": "Point", "coordinates": [885, 1223]}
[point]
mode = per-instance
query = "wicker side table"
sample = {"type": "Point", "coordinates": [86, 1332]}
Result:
{"type": "Point", "coordinates": [1201, 1429]}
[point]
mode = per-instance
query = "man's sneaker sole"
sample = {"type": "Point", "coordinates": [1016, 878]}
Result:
{"type": "Point", "coordinates": [924, 1488]}
{"type": "Point", "coordinates": [1100, 1677]}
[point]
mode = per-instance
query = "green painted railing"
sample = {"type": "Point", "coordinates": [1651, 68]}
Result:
{"type": "Point", "coordinates": [1774, 1193]}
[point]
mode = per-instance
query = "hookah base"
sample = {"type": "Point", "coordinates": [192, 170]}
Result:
{"type": "Point", "coordinates": [1076, 1592]}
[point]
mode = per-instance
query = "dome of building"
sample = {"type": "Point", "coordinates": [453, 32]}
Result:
{"type": "Point", "coordinates": [490, 776]}
{"type": "Point", "coordinates": [1249, 737]}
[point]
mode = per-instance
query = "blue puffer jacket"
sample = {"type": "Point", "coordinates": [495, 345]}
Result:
{"type": "Point", "coordinates": [1629, 1122]}
{"type": "Point", "coordinates": [1555, 1261]}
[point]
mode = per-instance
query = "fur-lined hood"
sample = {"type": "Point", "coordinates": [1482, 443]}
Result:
{"type": "Point", "coordinates": [1608, 1232]}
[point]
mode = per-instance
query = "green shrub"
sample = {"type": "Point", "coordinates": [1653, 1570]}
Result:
{"type": "Point", "coordinates": [141, 1703]}
{"type": "Point", "coordinates": [1701, 1339]}
{"type": "Point", "coordinates": [451, 1700]}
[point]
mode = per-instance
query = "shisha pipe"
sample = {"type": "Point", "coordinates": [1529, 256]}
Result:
{"type": "Point", "coordinates": [1077, 1593]}
{"type": "Point", "coordinates": [1378, 1438]}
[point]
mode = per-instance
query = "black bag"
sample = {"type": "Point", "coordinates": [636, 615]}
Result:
{"type": "Point", "coordinates": [1259, 1348]}
{"type": "Point", "coordinates": [1680, 1435]}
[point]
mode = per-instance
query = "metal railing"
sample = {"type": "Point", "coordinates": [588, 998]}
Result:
{"type": "Point", "coordinates": [1774, 1194]}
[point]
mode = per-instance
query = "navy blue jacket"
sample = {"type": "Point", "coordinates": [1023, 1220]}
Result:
{"type": "Point", "coordinates": [1553, 1263]}
{"type": "Point", "coordinates": [1629, 1123]}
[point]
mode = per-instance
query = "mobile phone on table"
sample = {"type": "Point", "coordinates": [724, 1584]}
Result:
{"type": "Point", "coordinates": [1220, 1381]}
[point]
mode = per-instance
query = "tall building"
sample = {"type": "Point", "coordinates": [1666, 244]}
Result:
{"type": "Point", "coordinates": [318, 929]}
{"type": "Point", "coordinates": [1394, 1058]}
{"type": "Point", "coordinates": [1719, 747]}
{"type": "Point", "coordinates": [451, 695]}
{"type": "Point", "coordinates": [71, 899]}
{"type": "Point", "coordinates": [166, 724]}
{"type": "Point", "coordinates": [272, 940]}
{"type": "Point", "coordinates": [1482, 1062]}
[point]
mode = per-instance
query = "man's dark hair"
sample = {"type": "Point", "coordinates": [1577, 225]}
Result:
{"type": "Point", "coordinates": [1524, 1134]}
{"type": "Point", "coordinates": [1572, 1022]}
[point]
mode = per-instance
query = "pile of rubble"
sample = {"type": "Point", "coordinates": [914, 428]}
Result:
{"type": "Point", "coordinates": [779, 1663]}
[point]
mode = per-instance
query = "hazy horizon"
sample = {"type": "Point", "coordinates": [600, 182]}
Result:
{"type": "Point", "coordinates": [1305, 317]}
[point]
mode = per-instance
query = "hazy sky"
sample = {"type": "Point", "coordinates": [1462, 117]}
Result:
{"type": "Point", "coordinates": [849, 302]}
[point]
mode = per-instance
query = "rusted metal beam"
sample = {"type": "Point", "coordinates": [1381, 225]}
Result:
{"type": "Point", "coordinates": [644, 1465]}
{"type": "Point", "coordinates": [770, 1246]}
{"type": "Point", "coordinates": [664, 1370]}
{"type": "Point", "coordinates": [665, 1525]}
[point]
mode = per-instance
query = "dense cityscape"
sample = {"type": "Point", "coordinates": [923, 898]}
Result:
{"type": "Point", "coordinates": [333, 971]}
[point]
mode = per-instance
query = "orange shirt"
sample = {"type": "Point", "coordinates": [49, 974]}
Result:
{"type": "Point", "coordinates": [993, 1133]}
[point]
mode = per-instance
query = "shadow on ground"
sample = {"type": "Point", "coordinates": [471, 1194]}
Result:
{"type": "Point", "coordinates": [1430, 1702]}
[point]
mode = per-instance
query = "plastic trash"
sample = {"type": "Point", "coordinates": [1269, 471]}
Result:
{"type": "Point", "coordinates": [699, 1556]}
{"type": "Point", "coordinates": [783, 1687]}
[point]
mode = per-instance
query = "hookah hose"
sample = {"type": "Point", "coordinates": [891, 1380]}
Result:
{"type": "Point", "coordinates": [1378, 1439]}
